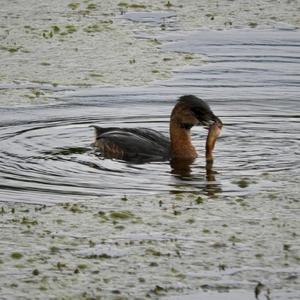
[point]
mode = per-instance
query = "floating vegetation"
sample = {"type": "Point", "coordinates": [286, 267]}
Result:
{"type": "Point", "coordinates": [37, 92]}
{"type": "Point", "coordinates": [74, 208]}
{"type": "Point", "coordinates": [219, 245]}
{"type": "Point", "coordinates": [98, 27]}
{"type": "Point", "coordinates": [188, 57]}
{"type": "Point", "coordinates": [211, 16]}
{"type": "Point", "coordinates": [132, 5]}
{"type": "Point", "coordinates": [55, 29]}
{"type": "Point", "coordinates": [74, 5]}
{"type": "Point", "coordinates": [222, 267]}
{"type": "Point", "coordinates": [158, 290]}
{"type": "Point", "coordinates": [121, 215]}
{"type": "Point", "coordinates": [91, 6]}
{"type": "Point", "coordinates": [96, 75]}
{"type": "Point", "coordinates": [190, 221]}
{"type": "Point", "coordinates": [82, 266]}
{"type": "Point", "coordinates": [252, 24]}
{"type": "Point", "coordinates": [35, 272]}
{"type": "Point", "coordinates": [234, 239]}
{"type": "Point", "coordinates": [242, 183]}
{"type": "Point", "coordinates": [11, 49]}
{"type": "Point", "coordinates": [168, 4]}
{"type": "Point", "coordinates": [27, 221]}
{"type": "Point", "coordinates": [61, 265]}
{"type": "Point", "coordinates": [124, 198]}
{"type": "Point", "coordinates": [99, 256]}
{"type": "Point", "coordinates": [228, 23]}
{"type": "Point", "coordinates": [54, 250]}
{"type": "Point", "coordinates": [155, 41]}
{"type": "Point", "coordinates": [16, 255]}
{"type": "Point", "coordinates": [70, 28]}
{"type": "Point", "coordinates": [199, 200]}
{"type": "Point", "coordinates": [47, 34]}
{"type": "Point", "coordinates": [29, 27]}
{"type": "Point", "coordinates": [153, 252]}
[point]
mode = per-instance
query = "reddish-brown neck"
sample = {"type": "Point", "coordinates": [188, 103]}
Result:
{"type": "Point", "coordinates": [181, 145]}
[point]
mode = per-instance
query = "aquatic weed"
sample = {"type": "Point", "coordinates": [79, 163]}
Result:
{"type": "Point", "coordinates": [199, 200]}
{"type": "Point", "coordinates": [155, 42]}
{"type": "Point", "coordinates": [99, 256]}
{"type": "Point", "coordinates": [61, 265]}
{"type": "Point", "coordinates": [91, 6]}
{"type": "Point", "coordinates": [96, 75]}
{"type": "Point", "coordinates": [132, 5]}
{"type": "Point", "coordinates": [168, 4]}
{"type": "Point", "coordinates": [27, 221]}
{"type": "Point", "coordinates": [158, 290]}
{"type": "Point", "coordinates": [35, 272]}
{"type": "Point", "coordinates": [121, 215]}
{"type": "Point", "coordinates": [70, 28]}
{"type": "Point", "coordinates": [153, 252]}
{"type": "Point", "coordinates": [16, 255]}
{"type": "Point", "coordinates": [124, 198]}
{"type": "Point", "coordinates": [188, 57]}
{"type": "Point", "coordinates": [190, 221]}
{"type": "Point", "coordinates": [234, 239]}
{"type": "Point", "coordinates": [82, 266]}
{"type": "Point", "coordinates": [11, 49]}
{"type": "Point", "coordinates": [252, 24]}
{"type": "Point", "coordinates": [54, 250]}
{"type": "Point", "coordinates": [74, 5]}
{"type": "Point", "coordinates": [55, 29]}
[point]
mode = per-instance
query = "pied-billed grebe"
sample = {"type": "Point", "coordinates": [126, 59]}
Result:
{"type": "Point", "coordinates": [143, 144]}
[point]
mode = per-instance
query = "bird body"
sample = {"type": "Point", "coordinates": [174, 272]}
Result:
{"type": "Point", "coordinates": [132, 144]}
{"type": "Point", "coordinates": [144, 144]}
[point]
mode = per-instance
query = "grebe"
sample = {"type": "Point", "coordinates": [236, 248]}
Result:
{"type": "Point", "coordinates": [143, 144]}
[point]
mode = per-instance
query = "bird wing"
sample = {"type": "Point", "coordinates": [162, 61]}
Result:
{"type": "Point", "coordinates": [132, 143]}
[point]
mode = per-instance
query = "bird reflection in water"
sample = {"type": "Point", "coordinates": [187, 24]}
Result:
{"type": "Point", "coordinates": [182, 169]}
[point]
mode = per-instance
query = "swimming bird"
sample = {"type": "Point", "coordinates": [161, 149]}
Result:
{"type": "Point", "coordinates": [145, 144]}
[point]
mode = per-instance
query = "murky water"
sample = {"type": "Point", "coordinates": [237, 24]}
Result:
{"type": "Point", "coordinates": [251, 80]}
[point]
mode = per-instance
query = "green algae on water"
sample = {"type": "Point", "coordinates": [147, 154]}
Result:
{"type": "Point", "coordinates": [121, 215]}
{"type": "Point", "coordinates": [91, 6]}
{"type": "Point", "coordinates": [16, 255]}
{"type": "Point", "coordinates": [74, 5]}
{"type": "Point", "coordinates": [199, 200]}
{"type": "Point", "coordinates": [132, 5]}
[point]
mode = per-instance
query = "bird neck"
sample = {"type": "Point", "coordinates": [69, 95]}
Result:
{"type": "Point", "coordinates": [181, 144]}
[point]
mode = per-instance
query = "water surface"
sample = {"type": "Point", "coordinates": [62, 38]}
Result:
{"type": "Point", "coordinates": [251, 80]}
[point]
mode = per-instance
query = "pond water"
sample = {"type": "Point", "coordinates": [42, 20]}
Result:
{"type": "Point", "coordinates": [250, 79]}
